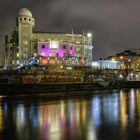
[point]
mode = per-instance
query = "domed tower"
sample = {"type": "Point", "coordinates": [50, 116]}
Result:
{"type": "Point", "coordinates": [25, 25]}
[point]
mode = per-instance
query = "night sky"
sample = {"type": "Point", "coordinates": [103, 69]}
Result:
{"type": "Point", "coordinates": [115, 24]}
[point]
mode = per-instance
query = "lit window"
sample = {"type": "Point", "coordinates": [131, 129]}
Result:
{"type": "Point", "coordinates": [54, 44]}
{"type": "Point", "coordinates": [17, 61]}
{"type": "Point", "coordinates": [17, 54]}
{"type": "Point", "coordinates": [25, 25]}
{"type": "Point", "coordinates": [25, 42]}
{"type": "Point", "coordinates": [25, 55]}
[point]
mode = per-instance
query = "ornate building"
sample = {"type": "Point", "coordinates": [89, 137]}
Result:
{"type": "Point", "coordinates": [23, 43]}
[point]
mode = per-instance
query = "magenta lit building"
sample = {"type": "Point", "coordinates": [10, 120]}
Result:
{"type": "Point", "coordinates": [23, 43]}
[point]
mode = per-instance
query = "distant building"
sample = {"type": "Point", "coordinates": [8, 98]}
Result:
{"type": "Point", "coordinates": [105, 64]}
{"type": "Point", "coordinates": [23, 43]}
{"type": "Point", "coordinates": [128, 59]}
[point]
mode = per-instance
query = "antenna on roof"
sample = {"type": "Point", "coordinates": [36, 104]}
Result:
{"type": "Point", "coordinates": [83, 32]}
{"type": "Point", "coordinates": [72, 34]}
{"type": "Point", "coordinates": [72, 31]}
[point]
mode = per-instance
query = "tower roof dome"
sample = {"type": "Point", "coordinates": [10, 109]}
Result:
{"type": "Point", "coordinates": [25, 12]}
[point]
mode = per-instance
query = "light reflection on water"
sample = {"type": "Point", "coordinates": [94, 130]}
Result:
{"type": "Point", "coordinates": [105, 115]}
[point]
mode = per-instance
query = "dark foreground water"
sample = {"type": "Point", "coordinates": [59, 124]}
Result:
{"type": "Point", "coordinates": [105, 115]}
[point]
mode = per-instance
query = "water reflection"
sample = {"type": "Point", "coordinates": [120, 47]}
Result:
{"type": "Point", "coordinates": [1, 117]}
{"type": "Point", "coordinates": [123, 110]}
{"type": "Point", "coordinates": [106, 115]}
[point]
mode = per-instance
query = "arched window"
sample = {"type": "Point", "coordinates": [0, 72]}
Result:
{"type": "Point", "coordinates": [43, 46]}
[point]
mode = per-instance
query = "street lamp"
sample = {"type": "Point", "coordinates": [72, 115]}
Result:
{"type": "Point", "coordinates": [89, 35]}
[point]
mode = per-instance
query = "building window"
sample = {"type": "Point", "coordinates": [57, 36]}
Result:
{"type": "Point", "coordinates": [25, 42]}
{"type": "Point", "coordinates": [43, 46]}
{"type": "Point", "coordinates": [20, 19]}
{"type": "Point", "coordinates": [23, 55]}
{"type": "Point", "coordinates": [29, 19]}
{"type": "Point", "coordinates": [64, 46]}
{"type": "Point", "coordinates": [24, 18]}
{"type": "Point", "coordinates": [35, 47]}
{"type": "Point", "coordinates": [17, 54]}
{"type": "Point", "coordinates": [77, 49]}
{"type": "Point", "coordinates": [17, 61]}
{"type": "Point", "coordinates": [11, 41]}
{"type": "Point", "coordinates": [54, 44]}
{"type": "Point", "coordinates": [25, 25]}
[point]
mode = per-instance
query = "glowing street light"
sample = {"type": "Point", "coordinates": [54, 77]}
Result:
{"type": "Point", "coordinates": [89, 35]}
{"type": "Point", "coordinates": [121, 57]}
{"type": "Point", "coordinates": [113, 59]}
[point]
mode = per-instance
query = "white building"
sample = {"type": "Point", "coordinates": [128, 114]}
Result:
{"type": "Point", "coordinates": [105, 64]}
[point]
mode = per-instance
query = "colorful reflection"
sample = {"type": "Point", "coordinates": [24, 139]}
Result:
{"type": "Point", "coordinates": [138, 108]}
{"type": "Point", "coordinates": [123, 109]}
{"type": "Point", "coordinates": [1, 118]}
{"type": "Point", "coordinates": [20, 118]}
{"type": "Point", "coordinates": [91, 118]}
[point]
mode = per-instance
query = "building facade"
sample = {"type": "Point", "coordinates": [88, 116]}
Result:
{"type": "Point", "coordinates": [129, 64]}
{"type": "Point", "coordinates": [105, 64]}
{"type": "Point", "coordinates": [128, 59]}
{"type": "Point", "coordinates": [23, 43]}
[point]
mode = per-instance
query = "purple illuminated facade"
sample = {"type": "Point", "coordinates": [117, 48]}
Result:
{"type": "Point", "coordinates": [23, 43]}
{"type": "Point", "coordinates": [56, 49]}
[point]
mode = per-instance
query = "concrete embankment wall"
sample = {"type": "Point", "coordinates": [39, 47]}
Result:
{"type": "Point", "coordinates": [53, 88]}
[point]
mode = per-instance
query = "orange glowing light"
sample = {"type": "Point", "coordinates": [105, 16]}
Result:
{"type": "Point", "coordinates": [43, 61]}
{"type": "Point", "coordinates": [113, 59]}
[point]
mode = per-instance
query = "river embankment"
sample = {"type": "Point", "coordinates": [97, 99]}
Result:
{"type": "Point", "coordinates": [56, 89]}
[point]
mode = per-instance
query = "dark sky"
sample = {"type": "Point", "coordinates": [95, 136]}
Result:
{"type": "Point", "coordinates": [114, 23]}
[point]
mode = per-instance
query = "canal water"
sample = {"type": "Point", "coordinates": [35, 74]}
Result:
{"type": "Point", "coordinates": [104, 115]}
